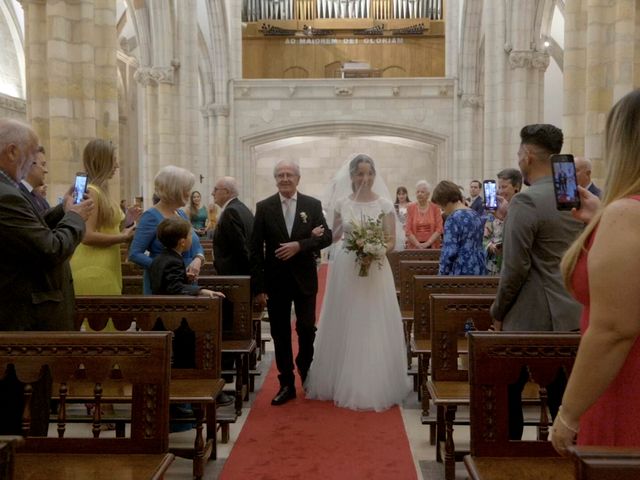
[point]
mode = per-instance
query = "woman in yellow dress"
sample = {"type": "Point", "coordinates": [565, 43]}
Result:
{"type": "Point", "coordinates": [95, 265]}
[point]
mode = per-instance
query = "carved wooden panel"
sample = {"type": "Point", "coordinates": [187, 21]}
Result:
{"type": "Point", "coordinates": [139, 361]}
{"type": "Point", "coordinates": [424, 286]}
{"type": "Point", "coordinates": [496, 361]}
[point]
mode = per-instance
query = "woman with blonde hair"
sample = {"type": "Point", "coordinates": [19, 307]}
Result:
{"type": "Point", "coordinates": [173, 186]}
{"type": "Point", "coordinates": [602, 397]}
{"type": "Point", "coordinates": [213, 212]}
{"type": "Point", "coordinates": [95, 264]}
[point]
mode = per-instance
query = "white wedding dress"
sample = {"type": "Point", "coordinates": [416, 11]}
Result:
{"type": "Point", "coordinates": [360, 356]}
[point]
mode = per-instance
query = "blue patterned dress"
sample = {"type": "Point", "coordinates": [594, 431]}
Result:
{"type": "Point", "coordinates": [462, 251]}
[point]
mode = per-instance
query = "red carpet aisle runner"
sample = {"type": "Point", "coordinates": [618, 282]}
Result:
{"type": "Point", "coordinates": [308, 439]}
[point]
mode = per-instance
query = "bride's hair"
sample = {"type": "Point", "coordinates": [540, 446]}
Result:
{"type": "Point", "coordinates": [357, 160]}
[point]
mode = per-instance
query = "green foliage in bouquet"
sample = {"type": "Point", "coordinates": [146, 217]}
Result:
{"type": "Point", "coordinates": [366, 240]}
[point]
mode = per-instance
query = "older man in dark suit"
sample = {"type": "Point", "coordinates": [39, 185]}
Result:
{"type": "Point", "coordinates": [36, 289]}
{"type": "Point", "coordinates": [583, 175]}
{"type": "Point", "coordinates": [283, 251]}
{"type": "Point", "coordinates": [232, 235]}
{"type": "Point", "coordinates": [35, 180]}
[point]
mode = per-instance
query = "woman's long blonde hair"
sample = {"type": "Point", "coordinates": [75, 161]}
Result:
{"type": "Point", "coordinates": [98, 159]}
{"type": "Point", "coordinates": [622, 158]}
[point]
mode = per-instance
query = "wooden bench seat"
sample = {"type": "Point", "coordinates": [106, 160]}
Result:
{"type": "Point", "coordinates": [40, 359]}
{"type": "Point", "coordinates": [606, 463]}
{"type": "Point", "coordinates": [195, 377]}
{"type": "Point", "coordinates": [495, 362]}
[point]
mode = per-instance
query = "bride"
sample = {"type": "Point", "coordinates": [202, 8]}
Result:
{"type": "Point", "coordinates": [360, 359]}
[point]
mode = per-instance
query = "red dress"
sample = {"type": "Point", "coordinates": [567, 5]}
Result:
{"type": "Point", "coordinates": [614, 420]}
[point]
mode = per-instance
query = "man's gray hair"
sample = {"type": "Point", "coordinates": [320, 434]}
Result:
{"type": "Point", "coordinates": [583, 162]}
{"type": "Point", "coordinates": [14, 132]}
{"type": "Point", "coordinates": [286, 163]}
{"type": "Point", "coordinates": [230, 184]}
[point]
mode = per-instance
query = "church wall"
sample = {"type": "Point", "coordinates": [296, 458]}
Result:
{"type": "Point", "coordinates": [265, 111]}
{"type": "Point", "coordinates": [12, 107]}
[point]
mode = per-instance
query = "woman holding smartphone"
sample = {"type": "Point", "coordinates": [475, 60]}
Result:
{"type": "Point", "coordinates": [95, 264]}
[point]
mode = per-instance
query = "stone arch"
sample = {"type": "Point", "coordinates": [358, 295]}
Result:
{"type": "Point", "coordinates": [10, 24]}
{"type": "Point", "coordinates": [247, 164]}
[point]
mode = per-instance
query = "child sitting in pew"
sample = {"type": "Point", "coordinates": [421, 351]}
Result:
{"type": "Point", "coordinates": [167, 272]}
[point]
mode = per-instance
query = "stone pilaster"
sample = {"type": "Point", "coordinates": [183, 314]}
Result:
{"type": "Point", "coordinates": [71, 72]}
{"type": "Point", "coordinates": [514, 80]}
{"type": "Point", "coordinates": [602, 44]}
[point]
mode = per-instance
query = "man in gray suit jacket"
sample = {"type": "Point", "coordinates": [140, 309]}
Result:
{"type": "Point", "coordinates": [531, 295]}
{"type": "Point", "coordinates": [36, 289]}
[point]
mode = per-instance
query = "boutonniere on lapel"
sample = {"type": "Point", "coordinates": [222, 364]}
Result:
{"type": "Point", "coordinates": [303, 216]}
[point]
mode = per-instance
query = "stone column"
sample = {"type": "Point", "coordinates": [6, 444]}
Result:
{"type": "Point", "coordinates": [602, 42]}
{"type": "Point", "coordinates": [514, 80]}
{"type": "Point", "coordinates": [71, 77]}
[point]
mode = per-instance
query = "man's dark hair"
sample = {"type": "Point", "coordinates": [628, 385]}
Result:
{"type": "Point", "coordinates": [543, 135]}
{"type": "Point", "coordinates": [172, 230]}
{"type": "Point", "coordinates": [446, 192]}
{"type": "Point", "coordinates": [513, 175]}
{"type": "Point", "coordinates": [476, 181]}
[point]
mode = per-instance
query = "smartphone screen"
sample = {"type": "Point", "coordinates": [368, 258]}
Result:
{"type": "Point", "coordinates": [490, 200]}
{"type": "Point", "coordinates": [80, 186]}
{"type": "Point", "coordinates": [565, 183]}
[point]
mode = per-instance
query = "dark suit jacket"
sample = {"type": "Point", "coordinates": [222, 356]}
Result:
{"type": "Point", "coordinates": [478, 205]}
{"type": "Point", "coordinates": [595, 190]}
{"type": "Point", "coordinates": [270, 275]}
{"type": "Point", "coordinates": [168, 275]}
{"type": "Point", "coordinates": [231, 240]}
{"type": "Point", "coordinates": [40, 203]}
{"type": "Point", "coordinates": [36, 288]}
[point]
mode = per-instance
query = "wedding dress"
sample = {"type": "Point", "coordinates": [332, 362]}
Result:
{"type": "Point", "coordinates": [360, 356]}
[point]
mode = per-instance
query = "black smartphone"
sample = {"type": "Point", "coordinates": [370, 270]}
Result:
{"type": "Point", "coordinates": [490, 200]}
{"type": "Point", "coordinates": [565, 183]}
{"type": "Point", "coordinates": [80, 186]}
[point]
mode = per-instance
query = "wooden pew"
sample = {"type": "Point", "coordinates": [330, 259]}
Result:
{"type": "Point", "coordinates": [394, 257]}
{"type": "Point", "coordinates": [8, 445]}
{"type": "Point", "coordinates": [195, 376]}
{"type": "Point", "coordinates": [606, 463]}
{"type": "Point", "coordinates": [138, 365]}
{"type": "Point", "coordinates": [424, 286]}
{"type": "Point", "coordinates": [238, 336]}
{"type": "Point", "coordinates": [450, 316]}
{"type": "Point", "coordinates": [495, 361]}
{"type": "Point", "coordinates": [409, 269]}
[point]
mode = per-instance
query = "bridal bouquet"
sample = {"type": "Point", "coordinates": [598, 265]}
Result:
{"type": "Point", "coordinates": [366, 239]}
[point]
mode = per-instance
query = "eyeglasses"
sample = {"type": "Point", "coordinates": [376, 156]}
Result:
{"type": "Point", "coordinates": [284, 175]}
{"type": "Point", "coordinates": [217, 189]}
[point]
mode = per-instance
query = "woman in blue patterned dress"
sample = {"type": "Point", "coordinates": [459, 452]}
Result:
{"type": "Point", "coordinates": [462, 251]}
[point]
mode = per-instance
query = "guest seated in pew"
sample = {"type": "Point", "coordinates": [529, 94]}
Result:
{"type": "Point", "coordinates": [462, 251]}
{"type": "Point", "coordinates": [167, 272]}
{"type": "Point", "coordinates": [601, 404]}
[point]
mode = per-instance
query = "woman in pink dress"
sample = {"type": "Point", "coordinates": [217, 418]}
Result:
{"type": "Point", "coordinates": [601, 404]}
{"type": "Point", "coordinates": [424, 224]}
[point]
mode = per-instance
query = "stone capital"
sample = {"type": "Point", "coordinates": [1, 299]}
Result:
{"type": "Point", "coordinates": [155, 75]}
{"type": "Point", "coordinates": [472, 101]}
{"type": "Point", "coordinates": [540, 60]}
{"type": "Point", "coordinates": [215, 110]}
{"type": "Point", "coordinates": [520, 58]}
